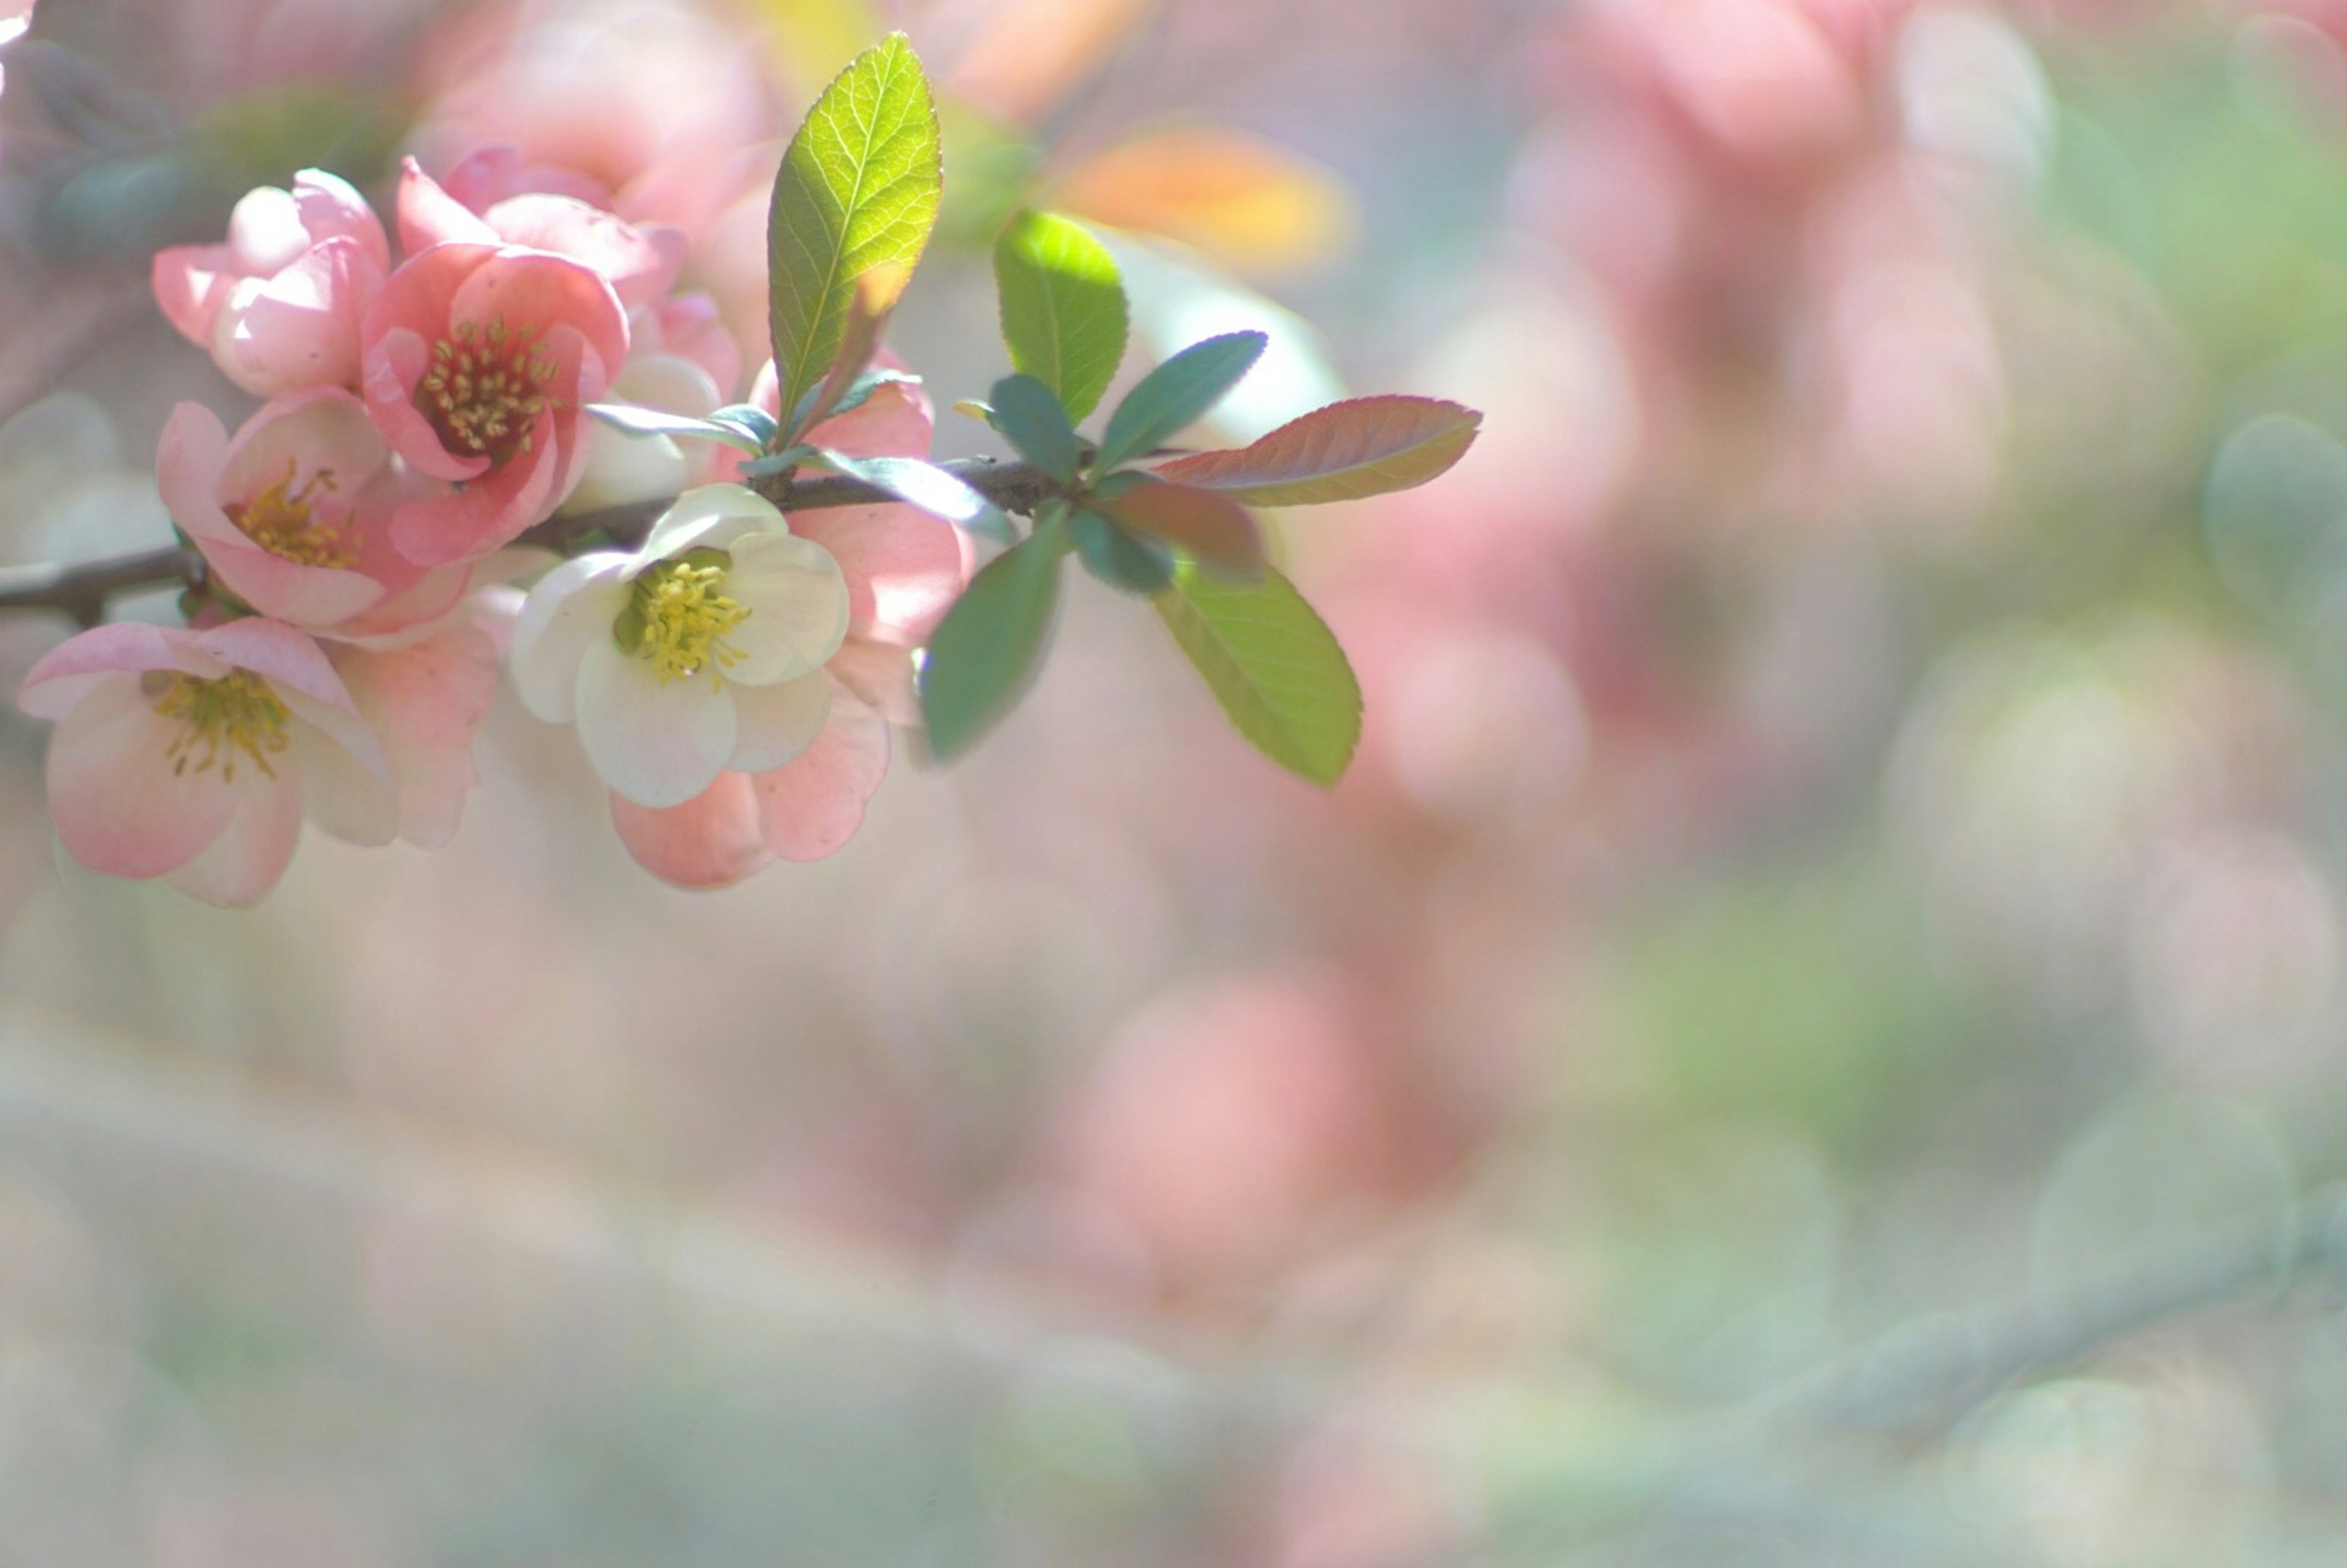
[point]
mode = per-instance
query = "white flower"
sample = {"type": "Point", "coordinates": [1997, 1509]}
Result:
{"type": "Point", "coordinates": [702, 651]}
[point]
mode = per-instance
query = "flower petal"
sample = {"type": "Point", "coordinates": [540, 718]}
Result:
{"type": "Point", "coordinates": [571, 607]}
{"type": "Point", "coordinates": [797, 602]}
{"type": "Point", "coordinates": [810, 808]}
{"type": "Point", "coordinates": [710, 518]}
{"type": "Point", "coordinates": [658, 745]}
{"type": "Point", "coordinates": [116, 794]}
{"type": "Point", "coordinates": [778, 722]}
{"type": "Point", "coordinates": [249, 856]}
{"type": "Point", "coordinates": [710, 841]}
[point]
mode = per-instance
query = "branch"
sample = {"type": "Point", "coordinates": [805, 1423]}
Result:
{"type": "Point", "coordinates": [83, 592]}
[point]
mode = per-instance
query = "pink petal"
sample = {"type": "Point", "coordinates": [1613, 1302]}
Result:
{"type": "Point", "coordinates": [290, 662]}
{"type": "Point", "coordinates": [429, 216]}
{"type": "Point", "coordinates": [640, 267]}
{"type": "Point", "coordinates": [190, 283]}
{"type": "Point", "coordinates": [303, 329]}
{"type": "Point", "coordinates": [251, 853]}
{"type": "Point", "coordinates": [427, 701]}
{"type": "Point", "coordinates": [710, 841]}
{"type": "Point", "coordinates": [904, 568]}
{"type": "Point", "coordinates": [880, 675]}
{"type": "Point", "coordinates": [62, 676]}
{"type": "Point", "coordinates": [117, 803]}
{"type": "Point", "coordinates": [808, 809]}
{"type": "Point", "coordinates": [332, 208]}
{"type": "Point", "coordinates": [894, 421]}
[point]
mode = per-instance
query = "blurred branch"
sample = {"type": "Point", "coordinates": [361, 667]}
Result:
{"type": "Point", "coordinates": [83, 590]}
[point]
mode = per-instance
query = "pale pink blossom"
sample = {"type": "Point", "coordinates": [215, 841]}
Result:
{"type": "Point", "coordinates": [280, 304]}
{"type": "Point", "coordinates": [702, 651]}
{"type": "Point", "coordinates": [480, 362]}
{"type": "Point", "coordinates": [640, 264]}
{"type": "Point", "coordinates": [426, 700]}
{"type": "Point", "coordinates": [293, 515]}
{"type": "Point", "coordinates": [681, 360]}
{"type": "Point", "coordinates": [194, 755]}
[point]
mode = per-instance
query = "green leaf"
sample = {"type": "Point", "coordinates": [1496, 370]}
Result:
{"type": "Point", "coordinates": [853, 201]}
{"type": "Point", "coordinates": [1173, 397]}
{"type": "Point", "coordinates": [984, 654]}
{"type": "Point", "coordinates": [1273, 664]}
{"type": "Point", "coordinates": [631, 419]}
{"type": "Point", "coordinates": [749, 418]}
{"type": "Point", "coordinates": [927, 486]}
{"type": "Point", "coordinates": [1362, 447]}
{"type": "Point", "coordinates": [1063, 310]}
{"type": "Point", "coordinates": [1116, 558]}
{"type": "Point", "coordinates": [1028, 414]}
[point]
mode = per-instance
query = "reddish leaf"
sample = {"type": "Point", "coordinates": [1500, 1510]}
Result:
{"type": "Point", "coordinates": [1214, 527]}
{"type": "Point", "coordinates": [1363, 447]}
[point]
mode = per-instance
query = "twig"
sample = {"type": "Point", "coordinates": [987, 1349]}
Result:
{"type": "Point", "coordinates": [84, 590]}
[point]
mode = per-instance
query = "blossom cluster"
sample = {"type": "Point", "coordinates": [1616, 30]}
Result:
{"type": "Point", "coordinates": [363, 529]}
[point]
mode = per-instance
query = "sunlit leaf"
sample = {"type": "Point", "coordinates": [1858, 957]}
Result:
{"type": "Point", "coordinates": [633, 420]}
{"type": "Point", "coordinates": [1363, 447]}
{"type": "Point", "coordinates": [927, 486]}
{"type": "Point", "coordinates": [1032, 419]}
{"type": "Point", "coordinates": [1212, 527]}
{"type": "Point", "coordinates": [984, 654]}
{"type": "Point", "coordinates": [1273, 664]}
{"type": "Point", "coordinates": [855, 195]}
{"type": "Point", "coordinates": [1173, 396]}
{"type": "Point", "coordinates": [1063, 311]}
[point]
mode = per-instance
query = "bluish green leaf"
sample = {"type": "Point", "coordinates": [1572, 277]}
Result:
{"type": "Point", "coordinates": [929, 488]}
{"type": "Point", "coordinates": [1116, 558]}
{"type": "Point", "coordinates": [1029, 416]}
{"type": "Point", "coordinates": [631, 419]}
{"type": "Point", "coordinates": [854, 200]}
{"type": "Point", "coordinates": [1273, 664]}
{"type": "Point", "coordinates": [984, 654]}
{"type": "Point", "coordinates": [749, 418]}
{"type": "Point", "coordinates": [1063, 310]}
{"type": "Point", "coordinates": [1174, 395]}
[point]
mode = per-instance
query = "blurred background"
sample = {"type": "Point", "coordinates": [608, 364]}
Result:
{"type": "Point", "coordinates": [1812, 1035]}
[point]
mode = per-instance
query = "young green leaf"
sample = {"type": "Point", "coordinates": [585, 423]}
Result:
{"type": "Point", "coordinates": [1063, 310]}
{"type": "Point", "coordinates": [1029, 416]}
{"type": "Point", "coordinates": [1362, 447]}
{"type": "Point", "coordinates": [927, 486]}
{"type": "Point", "coordinates": [1273, 664]}
{"type": "Point", "coordinates": [1117, 558]}
{"type": "Point", "coordinates": [984, 654]}
{"type": "Point", "coordinates": [1214, 527]}
{"type": "Point", "coordinates": [1173, 395]}
{"type": "Point", "coordinates": [856, 196]}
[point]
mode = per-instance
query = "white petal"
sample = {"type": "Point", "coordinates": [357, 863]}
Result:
{"type": "Point", "coordinates": [657, 745]}
{"type": "Point", "coordinates": [711, 517]}
{"type": "Point", "coordinates": [571, 608]}
{"type": "Point", "coordinates": [797, 602]}
{"type": "Point", "coordinates": [778, 721]}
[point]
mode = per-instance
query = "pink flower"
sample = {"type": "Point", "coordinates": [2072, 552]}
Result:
{"type": "Point", "coordinates": [293, 515]}
{"type": "Point", "coordinates": [479, 361]}
{"type": "Point", "coordinates": [193, 755]}
{"type": "Point", "coordinates": [640, 264]}
{"type": "Point", "coordinates": [804, 810]}
{"type": "Point", "coordinates": [279, 305]}
{"type": "Point", "coordinates": [426, 700]}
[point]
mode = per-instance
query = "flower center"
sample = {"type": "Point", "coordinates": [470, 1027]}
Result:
{"type": "Point", "coordinates": [283, 521]}
{"type": "Point", "coordinates": [486, 390]}
{"type": "Point", "coordinates": [678, 617]}
{"type": "Point", "coordinates": [237, 712]}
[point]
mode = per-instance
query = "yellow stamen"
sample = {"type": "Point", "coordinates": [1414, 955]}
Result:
{"type": "Point", "coordinates": [485, 391]}
{"type": "Point", "coordinates": [678, 618]}
{"type": "Point", "coordinates": [283, 521]}
{"type": "Point", "coordinates": [237, 712]}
